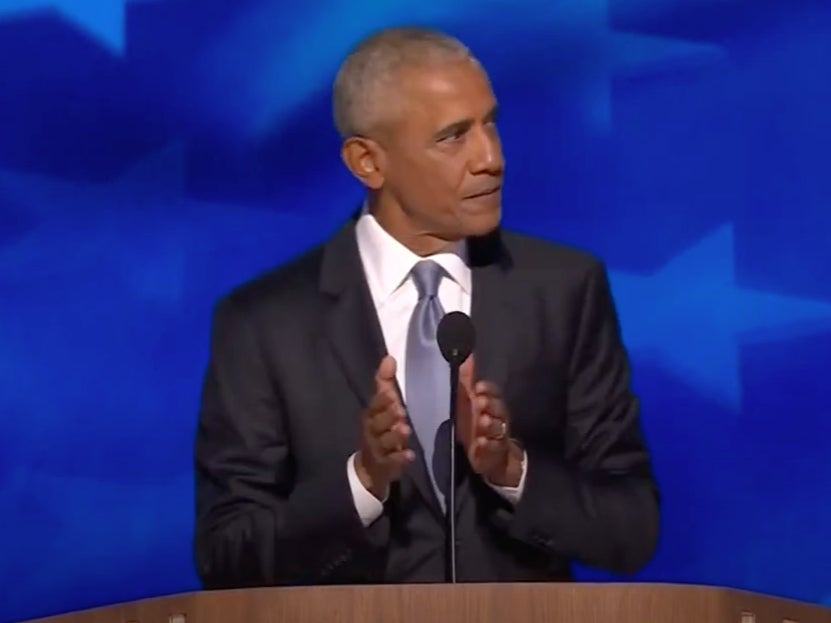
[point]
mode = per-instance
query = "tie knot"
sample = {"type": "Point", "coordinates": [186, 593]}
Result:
{"type": "Point", "coordinates": [427, 275]}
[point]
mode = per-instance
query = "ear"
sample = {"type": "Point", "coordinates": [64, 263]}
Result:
{"type": "Point", "coordinates": [365, 160]}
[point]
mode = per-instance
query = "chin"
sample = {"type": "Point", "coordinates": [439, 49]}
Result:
{"type": "Point", "coordinates": [479, 227]}
{"type": "Point", "coordinates": [479, 219]}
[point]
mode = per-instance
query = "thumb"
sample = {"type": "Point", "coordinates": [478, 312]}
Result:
{"type": "Point", "coordinates": [466, 373]}
{"type": "Point", "coordinates": [386, 371]}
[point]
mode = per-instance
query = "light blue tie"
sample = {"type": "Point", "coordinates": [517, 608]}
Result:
{"type": "Point", "coordinates": [427, 374]}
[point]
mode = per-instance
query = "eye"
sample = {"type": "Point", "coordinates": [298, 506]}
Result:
{"type": "Point", "coordinates": [453, 136]}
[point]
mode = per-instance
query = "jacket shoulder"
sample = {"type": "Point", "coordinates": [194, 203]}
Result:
{"type": "Point", "coordinates": [534, 253]}
{"type": "Point", "coordinates": [281, 286]}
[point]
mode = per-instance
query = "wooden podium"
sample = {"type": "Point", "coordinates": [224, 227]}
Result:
{"type": "Point", "coordinates": [461, 603]}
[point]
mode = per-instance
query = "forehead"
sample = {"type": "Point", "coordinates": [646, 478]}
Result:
{"type": "Point", "coordinates": [444, 94]}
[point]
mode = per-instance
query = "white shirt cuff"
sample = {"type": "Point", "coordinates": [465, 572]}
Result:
{"type": "Point", "coordinates": [513, 494]}
{"type": "Point", "coordinates": [368, 506]}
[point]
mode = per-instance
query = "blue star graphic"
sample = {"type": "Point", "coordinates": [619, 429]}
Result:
{"type": "Point", "coordinates": [102, 20]}
{"type": "Point", "coordinates": [117, 281]}
{"type": "Point", "coordinates": [692, 317]}
{"type": "Point", "coordinates": [145, 227]}
{"type": "Point", "coordinates": [250, 62]}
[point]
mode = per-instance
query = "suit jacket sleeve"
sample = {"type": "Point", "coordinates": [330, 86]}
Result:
{"type": "Point", "coordinates": [256, 523]}
{"type": "Point", "coordinates": [596, 503]}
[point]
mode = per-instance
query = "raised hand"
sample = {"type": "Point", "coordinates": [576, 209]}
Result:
{"type": "Point", "coordinates": [484, 429]}
{"type": "Point", "coordinates": [384, 448]}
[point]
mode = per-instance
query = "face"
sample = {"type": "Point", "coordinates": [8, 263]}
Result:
{"type": "Point", "coordinates": [439, 166]}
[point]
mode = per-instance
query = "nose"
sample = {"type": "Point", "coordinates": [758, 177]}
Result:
{"type": "Point", "coordinates": [486, 152]}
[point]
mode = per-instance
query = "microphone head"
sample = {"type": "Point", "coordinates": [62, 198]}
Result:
{"type": "Point", "coordinates": [455, 336]}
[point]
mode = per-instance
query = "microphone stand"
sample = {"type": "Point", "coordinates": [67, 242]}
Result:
{"type": "Point", "coordinates": [450, 515]}
{"type": "Point", "coordinates": [455, 336]}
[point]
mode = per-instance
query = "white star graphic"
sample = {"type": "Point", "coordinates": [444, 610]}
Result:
{"type": "Point", "coordinates": [692, 316]}
{"type": "Point", "coordinates": [102, 20]}
{"type": "Point", "coordinates": [272, 76]}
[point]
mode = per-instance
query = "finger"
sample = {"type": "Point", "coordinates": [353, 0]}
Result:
{"type": "Point", "coordinates": [386, 399]}
{"type": "Point", "coordinates": [381, 401]}
{"type": "Point", "coordinates": [498, 429]}
{"type": "Point", "coordinates": [485, 447]}
{"type": "Point", "coordinates": [465, 397]}
{"type": "Point", "coordinates": [484, 454]}
{"type": "Point", "coordinates": [401, 458]}
{"type": "Point", "coordinates": [491, 427]}
{"type": "Point", "coordinates": [386, 373]}
{"type": "Point", "coordinates": [466, 373]}
{"type": "Point", "coordinates": [483, 425]}
{"type": "Point", "coordinates": [394, 440]}
{"type": "Point", "coordinates": [488, 388]}
{"type": "Point", "coordinates": [383, 421]}
{"type": "Point", "coordinates": [494, 407]}
{"type": "Point", "coordinates": [494, 448]}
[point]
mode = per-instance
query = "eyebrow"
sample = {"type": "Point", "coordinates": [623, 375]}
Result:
{"type": "Point", "coordinates": [464, 124]}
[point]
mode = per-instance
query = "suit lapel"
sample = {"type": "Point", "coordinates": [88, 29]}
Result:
{"type": "Point", "coordinates": [492, 318]}
{"type": "Point", "coordinates": [354, 333]}
{"type": "Point", "coordinates": [352, 326]}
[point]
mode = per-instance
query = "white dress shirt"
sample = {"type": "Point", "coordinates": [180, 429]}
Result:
{"type": "Point", "coordinates": [387, 264]}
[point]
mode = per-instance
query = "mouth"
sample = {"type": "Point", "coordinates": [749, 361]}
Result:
{"type": "Point", "coordinates": [485, 193]}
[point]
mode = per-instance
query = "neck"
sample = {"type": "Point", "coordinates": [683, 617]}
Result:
{"type": "Point", "coordinates": [399, 226]}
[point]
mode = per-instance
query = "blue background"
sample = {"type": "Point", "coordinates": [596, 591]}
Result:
{"type": "Point", "coordinates": [153, 153]}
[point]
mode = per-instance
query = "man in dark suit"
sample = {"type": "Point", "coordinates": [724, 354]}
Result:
{"type": "Point", "coordinates": [322, 433]}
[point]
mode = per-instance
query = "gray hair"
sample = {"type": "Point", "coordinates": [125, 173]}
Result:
{"type": "Point", "coordinates": [372, 66]}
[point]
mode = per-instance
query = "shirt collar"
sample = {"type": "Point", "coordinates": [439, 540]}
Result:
{"type": "Point", "coordinates": [388, 263]}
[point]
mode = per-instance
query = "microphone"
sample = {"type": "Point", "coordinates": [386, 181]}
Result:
{"type": "Point", "coordinates": [455, 336]}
